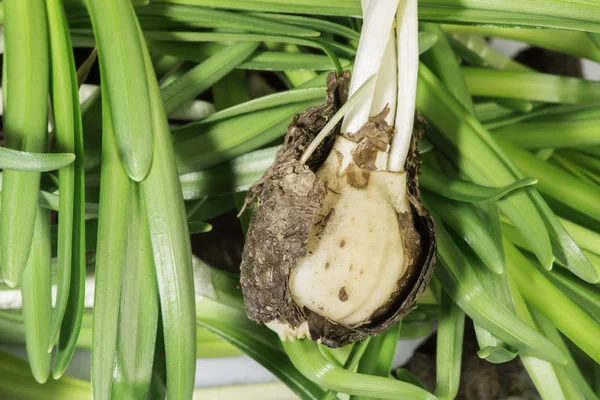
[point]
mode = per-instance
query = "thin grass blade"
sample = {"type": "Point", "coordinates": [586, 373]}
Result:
{"type": "Point", "coordinates": [171, 249]}
{"type": "Point", "coordinates": [205, 75]}
{"type": "Point", "coordinates": [69, 138]}
{"type": "Point", "coordinates": [115, 191]}
{"type": "Point", "coordinates": [563, 312]}
{"type": "Point", "coordinates": [466, 191]}
{"type": "Point", "coordinates": [479, 156]}
{"type": "Point", "coordinates": [25, 98]}
{"type": "Point", "coordinates": [138, 311]}
{"type": "Point", "coordinates": [448, 360]}
{"type": "Point", "coordinates": [33, 162]}
{"type": "Point", "coordinates": [461, 283]}
{"type": "Point", "coordinates": [120, 54]}
{"type": "Point", "coordinates": [306, 357]}
{"type": "Point", "coordinates": [37, 298]}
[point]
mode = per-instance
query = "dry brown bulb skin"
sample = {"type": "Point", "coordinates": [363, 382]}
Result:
{"type": "Point", "coordinates": [338, 249]}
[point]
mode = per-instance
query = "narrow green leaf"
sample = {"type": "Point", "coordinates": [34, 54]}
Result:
{"type": "Point", "coordinates": [518, 105]}
{"type": "Point", "coordinates": [448, 359]}
{"type": "Point", "coordinates": [281, 61]}
{"type": "Point", "coordinates": [331, 7]}
{"type": "Point", "coordinates": [555, 134]}
{"type": "Point", "coordinates": [480, 157]}
{"type": "Point", "coordinates": [443, 62]}
{"type": "Point", "coordinates": [232, 137]}
{"type": "Point", "coordinates": [18, 383]}
{"type": "Point", "coordinates": [585, 295]}
{"type": "Point", "coordinates": [532, 86]}
{"type": "Point", "coordinates": [461, 283]}
{"type": "Point", "coordinates": [576, 260]}
{"type": "Point", "coordinates": [585, 238]}
{"type": "Point", "coordinates": [25, 97]}
{"type": "Point", "coordinates": [378, 357]}
{"type": "Point", "coordinates": [582, 10]}
{"type": "Point", "coordinates": [543, 374]}
{"type": "Point", "coordinates": [464, 220]}
{"type": "Point", "coordinates": [171, 249]}
{"type": "Point", "coordinates": [306, 357]}
{"type": "Point", "coordinates": [203, 17]}
{"type": "Point", "coordinates": [571, 376]}
{"type": "Point", "coordinates": [426, 41]}
{"type": "Point", "coordinates": [564, 314]}
{"type": "Point", "coordinates": [205, 75]}
{"type": "Point", "coordinates": [552, 180]}
{"type": "Point", "coordinates": [37, 298]}
{"type": "Point", "coordinates": [433, 11]}
{"type": "Point", "coordinates": [329, 47]}
{"type": "Point", "coordinates": [405, 375]}
{"type": "Point", "coordinates": [476, 50]}
{"type": "Point", "coordinates": [314, 23]}
{"type": "Point", "coordinates": [268, 101]}
{"type": "Point", "coordinates": [351, 363]}
{"type": "Point", "coordinates": [138, 311]}
{"type": "Point", "coordinates": [577, 44]}
{"type": "Point", "coordinates": [492, 348]}
{"type": "Point", "coordinates": [115, 191]}
{"type": "Point", "coordinates": [33, 162]}
{"type": "Point", "coordinates": [69, 137]}
{"type": "Point", "coordinates": [459, 190]}
{"type": "Point", "coordinates": [120, 54]}
{"type": "Point", "coordinates": [416, 330]}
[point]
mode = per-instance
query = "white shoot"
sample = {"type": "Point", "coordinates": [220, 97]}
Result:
{"type": "Point", "coordinates": [386, 92]}
{"type": "Point", "coordinates": [408, 64]}
{"type": "Point", "coordinates": [374, 36]}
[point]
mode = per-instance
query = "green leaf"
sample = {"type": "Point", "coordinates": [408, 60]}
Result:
{"type": "Point", "coordinates": [455, 189]}
{"type": "Point", "coordinates": [121, 57]}
{"type": "Point", "coordinates": [448, 356]}
{"type": "Point", "coordinates": [458, 132]}
{"type": "Point", "coordinates": [476, 50]}
{"type": "Point", "coordinates": [71, 235]}
{"type": "Point", "coordinates": [543, 374]}
{"type": "Point", "coordinates": [18, 383]}
{"type": "Point", "coordinates": [115, 191]}
{"type": "Point", "coordinates": [33, 162]}
{"type": "Point", "coordinates": [581, 10]}
{"type": "Point", "coordinates": [189, 16]}
{"type": "Point", "coordinates": [281, 61]}
{"type": "Point", "coordinates": [37, 299]}
{"type": "Point", "coordinates": [358, 349]}
{"type": "Point", "coordinates": [577, 44]}
{"type": "Point", "coordinates": [329, 7]}
{"type": "Point", "coordinates": [464, 220]}
{"type": "Point", "coordinates": [532, 86]}
{"type": "Point", "coordinates": [264, 102]}
{"type": "Point", "coordinates": [314, 23]}
{"type": "Point", "coordinates": [564, 313]}
{"type": "Point", "coordinates": [552, 181]}
{"type": "Point", "coordinates": [461, 283]}
{"type": "Point", "coordinates": [171, 249]}
{"type": "Point", "coordinates": [226, 139]}
{"type": "Point", "coordinates": [443, 62]}
{"type": "Point", "coordinates": [306, 357]}
{"type": "Point", "coordinates": [378, 357]}
{"type": "Point", "coordinates": [554, 134]}
{"type": "Point", "coordinates": [205, 75]}
{"type": "Point", "coordinates": [25, 96]}
{"type": "Point", "coordinates": [585, 295]}
{"type": "Point", "coordinates": [138, 310]}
